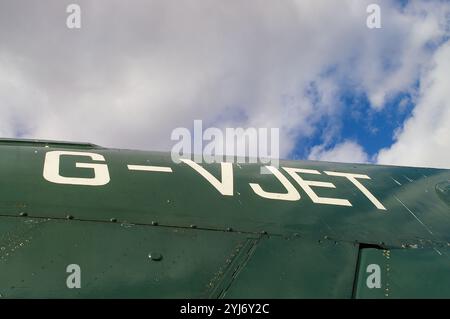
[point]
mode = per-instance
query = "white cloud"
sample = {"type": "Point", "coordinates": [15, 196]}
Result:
{"type": "Point", "coordinates": [139, 69]}
{"type": "Point", "coordinates": [424, 139]}
{"type": "Point", "coordinates": [347, 152]}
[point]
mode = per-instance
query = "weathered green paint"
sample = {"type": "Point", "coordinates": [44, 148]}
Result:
{"type": "Point", "coordinates": [296, 268]}
{"type": "Point", "coordinates": [114, 259]}
{"type": "Point", "coordinates": [406, 273]}
{"type": "Point", "coordinates": [418, 214]}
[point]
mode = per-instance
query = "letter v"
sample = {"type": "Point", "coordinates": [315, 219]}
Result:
{"type": "Point", "coordinates": [226, 186]}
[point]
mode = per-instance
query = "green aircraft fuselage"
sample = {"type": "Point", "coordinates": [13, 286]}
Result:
{"type": "Point", "coordinates": [82, 221]}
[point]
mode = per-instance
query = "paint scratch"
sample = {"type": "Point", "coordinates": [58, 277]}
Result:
{"type": "Point", "coordinates": [417, 218]}
{"type": "Point", "coordinates": [409, 179]}
{"type": "Point", "coordinates": [438, 251]}
{"type": "Point", "coordinates": [396, 181]}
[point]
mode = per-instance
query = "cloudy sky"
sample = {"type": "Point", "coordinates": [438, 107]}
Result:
{"type": "Point", "coordinates": [137, 69]}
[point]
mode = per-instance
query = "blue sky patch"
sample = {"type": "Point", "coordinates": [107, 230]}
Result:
{"type": "Point", "coordinates": [359, 122]}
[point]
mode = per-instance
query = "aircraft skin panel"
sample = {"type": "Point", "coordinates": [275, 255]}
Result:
{"type": "Point", "coordinates": [66, 195]}
{"type": "Point", "coordinates": [405, 273]}
{"type": "Point", "coordinates": [184, 197]}
{"type": "Point", "coordinates": [117, 260]}
{"type": "Point", "coordinates": [297, 268]}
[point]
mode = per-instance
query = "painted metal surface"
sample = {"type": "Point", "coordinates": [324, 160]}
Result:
{"type": "Point", "coordinates": [296, 268]}
{"type": "Point", "coordinates": [177, 198]}
{"type": "Point", "coordinates": [406, 273]}
{"type": "Point", "coordinates": [116, 260]}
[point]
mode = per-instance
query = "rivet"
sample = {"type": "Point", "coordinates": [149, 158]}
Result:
{"type": "Point", "coordinates": [69, 217]}
{"type": "Point", "coordinates": [263, 232]}
{"type": "Point", "coordinates": [325, 237]}
{"type": "Point", "coordinates": [113, 220]}
{"type": "Point", "coordinates": [154, 223]}
{"type": "Point", "coordinates": [229, 229]}
{"type": "Point", "coordinates": [23, 214]}
{"type": "Point", "coordinates": [193, 226]}
{"type": "Point", "coordinates": [155, 256]}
